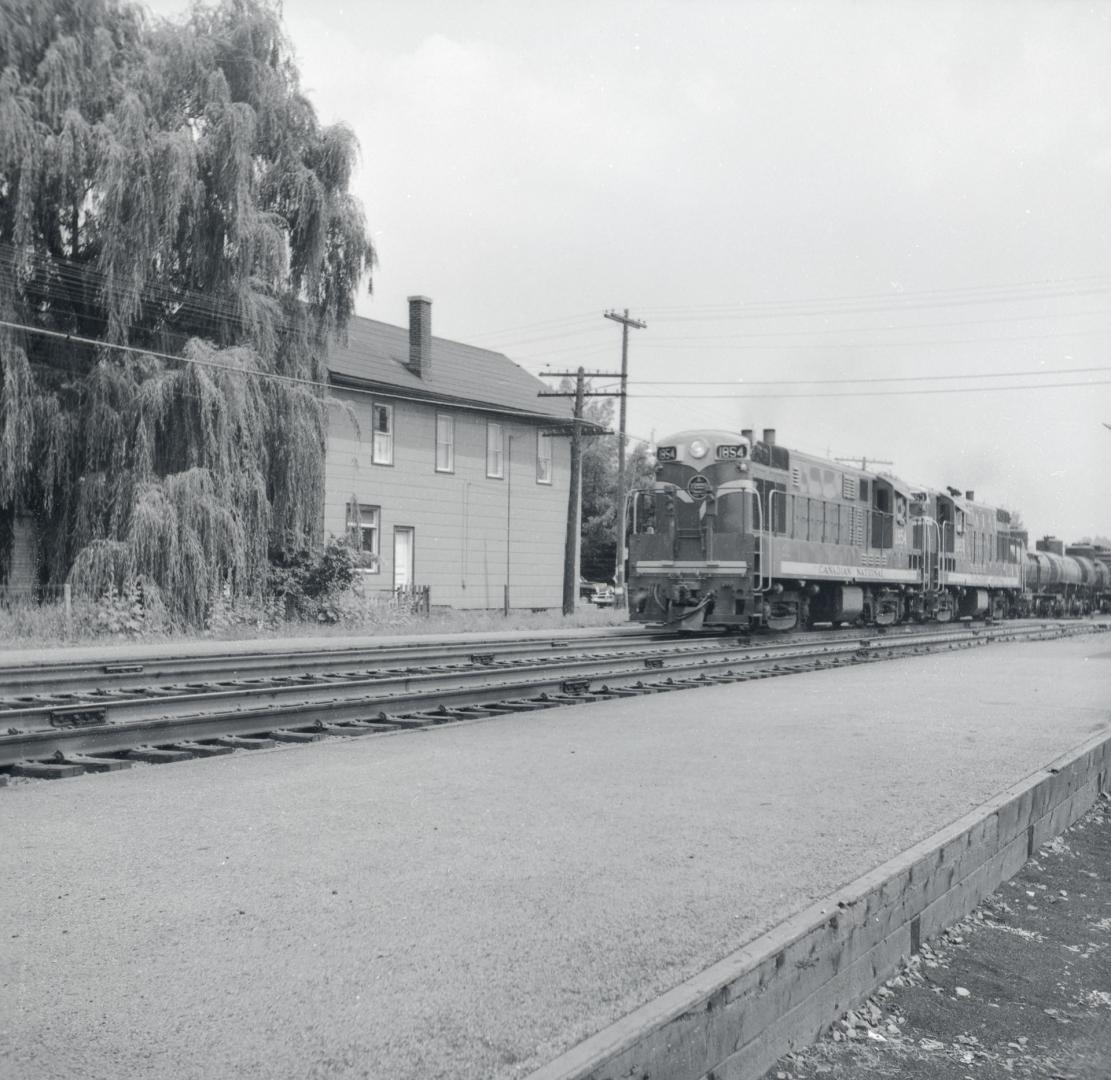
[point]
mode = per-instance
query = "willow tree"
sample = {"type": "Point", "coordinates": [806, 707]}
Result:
{"type": "Point", "coordinates": [177, 244]}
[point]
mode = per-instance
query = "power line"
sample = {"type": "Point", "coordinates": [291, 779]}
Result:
{"type": "Point", "coordinates": [79, 339]}
{"type": "Point", "coordinates": [317, 384]}
{"type": "Point", "coordinates": [513, 343]}
{"type": "Point", "coordinates": [706, 309]}
{"type": "Point", "coordinates": [865, 379]}
{"type": "Point", "coordinates": [747, 334]}
{"type": "Point", "coordinates": [876, 393]}
{"type": "Point", "coordinates": [578, 317]}
{"type": "Point", "coordinates": [813, 311]}
{"type": "Point", "coordinates": [766, 347]}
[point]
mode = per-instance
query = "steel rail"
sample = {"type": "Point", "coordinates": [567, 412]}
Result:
{"type": "Point", "coordinates": [146, 669]}
{"type": "Point", "coordinates": [417, 701]}
{"type": "Point", "coordinates": [53, 680]}
{"type": "Point", "coordinates": [124, 705]}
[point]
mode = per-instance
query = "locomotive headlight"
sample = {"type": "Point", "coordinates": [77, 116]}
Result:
{"type": "Point", "coordinates": [698, 448]}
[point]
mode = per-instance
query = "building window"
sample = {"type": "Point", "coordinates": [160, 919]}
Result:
{"type": "Point", "coordinates": [445, 443]}
{"type": "Point", "coordinates": [495, 451]}
{"type": "Point", "coordinates": [363, 528]}
{"type": "Point", "coordinates": [543, 458]}
{"type": "Point", "coordinates": [382, 423]}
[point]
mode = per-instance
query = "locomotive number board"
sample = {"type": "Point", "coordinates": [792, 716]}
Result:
{"type": "Point", "coordinates": [667, 453]}
{"type": "Point", "coordinates": [731, 453]}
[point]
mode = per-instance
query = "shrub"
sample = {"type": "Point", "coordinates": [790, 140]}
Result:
{"type": "Point", "coordinates": [306, 580]}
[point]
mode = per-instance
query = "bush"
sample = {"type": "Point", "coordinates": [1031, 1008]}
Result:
{"type": "Point", "coordinates": [307, 580]}
{"type": "Point", "coordinates": [134, 611]}
{"type": "Point", "coordinates": [120, 613]}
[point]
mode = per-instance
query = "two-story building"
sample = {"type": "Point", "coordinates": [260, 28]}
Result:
{"type": "Point", "coordinates": [446, 467]}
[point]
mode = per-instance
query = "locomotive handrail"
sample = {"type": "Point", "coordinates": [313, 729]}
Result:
{"type": "Point", "coordinates": [771, 525]}
{"type": "Point", "coordinates": [761, 533]}
{"type": "Point", "coordinates": [758, 533]}
{"type": "Point", "coordinates": [927, 521]}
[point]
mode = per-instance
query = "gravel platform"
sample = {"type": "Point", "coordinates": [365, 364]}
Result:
{"type": "Point", "coordinates": [472, 900]}
{"type": "Point", "coordinates": [1019, 990]}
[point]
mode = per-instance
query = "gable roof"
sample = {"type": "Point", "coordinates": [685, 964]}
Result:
{"type": "Point", "coordinates": [374, 358]}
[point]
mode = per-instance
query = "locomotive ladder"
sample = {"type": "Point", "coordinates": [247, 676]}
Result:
{"type": "Point", "coordinates": [763, 542]}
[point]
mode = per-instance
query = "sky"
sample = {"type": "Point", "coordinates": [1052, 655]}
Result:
{"type": "Point", "coordinates": [883, 229]}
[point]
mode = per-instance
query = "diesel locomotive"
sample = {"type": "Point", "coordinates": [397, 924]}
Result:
{"type": "Point", "coordinates": [738, 533]}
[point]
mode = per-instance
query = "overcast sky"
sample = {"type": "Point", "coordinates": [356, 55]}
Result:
{"type": "Point", "coordinates": [781, 191]}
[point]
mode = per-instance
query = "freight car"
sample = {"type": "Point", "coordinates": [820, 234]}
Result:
{"type": "Point", "coordinates": [738, 532]}
{"type": "Point", "coordinates": [1061, 580]}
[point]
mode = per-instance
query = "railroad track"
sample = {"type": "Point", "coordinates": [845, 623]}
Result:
{"type": "Point", "coordinates": [384, 689]}
{"type": "Point", "coordinates": [69, 693]}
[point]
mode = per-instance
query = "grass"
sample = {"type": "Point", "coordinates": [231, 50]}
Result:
{"type": "Point", "coordinates": [33, 626]}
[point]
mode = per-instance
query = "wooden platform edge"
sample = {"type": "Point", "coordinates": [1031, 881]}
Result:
{"type": "Point", "coordinates": [733, 1020]}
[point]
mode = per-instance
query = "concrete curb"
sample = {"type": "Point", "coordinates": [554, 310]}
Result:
{"type": "Point", "coordinates": [736, 1018]}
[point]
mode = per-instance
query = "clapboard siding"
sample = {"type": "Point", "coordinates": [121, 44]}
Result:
{"type": "Point", "coordinates": [460, 518]}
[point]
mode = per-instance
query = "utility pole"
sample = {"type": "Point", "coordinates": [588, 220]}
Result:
{"type": "Point", "coordinates": [570, 547]}
{"type": "Point", "coordinates": [574, 498]}
{"type": "Point", "coordinates": [508, 515]}
{"type": "Point", "coordinates": [619, 577]}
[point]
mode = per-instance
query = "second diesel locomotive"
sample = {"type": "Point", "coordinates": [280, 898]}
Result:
{"type": "Point", "coordinates": [738, 533]}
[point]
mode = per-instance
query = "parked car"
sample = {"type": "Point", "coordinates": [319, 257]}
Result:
{"type": "Point", "coordinates": [596, 592]}
{"type": "Point", "coordinates": [604, 596]}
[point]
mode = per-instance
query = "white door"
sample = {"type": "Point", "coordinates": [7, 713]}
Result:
{"type": "Point", "coordinates": [403, 557]}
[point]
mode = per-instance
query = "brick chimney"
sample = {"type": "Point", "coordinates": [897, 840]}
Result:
{"type": "Point", "coordinates": [420, 335]}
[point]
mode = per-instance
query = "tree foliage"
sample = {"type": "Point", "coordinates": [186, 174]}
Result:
{"type": "Point", "coordinates": [599, 487]}
{"type": "Point", "coordinates": [166, 187]}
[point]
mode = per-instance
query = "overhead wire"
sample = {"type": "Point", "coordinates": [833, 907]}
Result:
{"type": "Point", "coordinates": [745, 335]}
{"type": "Point", "coordinates": [740, 383]}
{"type": "Point", "coordinates": [890, 295]}
{"type": "Point", "coordinates": [316, 384]}
{"type": "Point", "coordinates": [75, 279]}
{"type": "Point", "coordinates": [877, 393]}
{"type": "Point", "coordinates": [740, 315]}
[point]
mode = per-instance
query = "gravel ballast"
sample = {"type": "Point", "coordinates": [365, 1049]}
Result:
{"type": "Point", "coordinates": [1018, 990]}
{"type": "Point", "coordinates": [472, 900]}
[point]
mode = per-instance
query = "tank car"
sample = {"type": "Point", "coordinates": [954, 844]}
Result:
{"type": "Point", "coordinates": [1101, 556]}
{"type": "Point", "coordinates": [738, 532]}
{"type": "Point", "coordinates": [1066, 581]}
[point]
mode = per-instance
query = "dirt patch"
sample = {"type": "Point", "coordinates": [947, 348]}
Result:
{"type": "Point", "coordinates": [1020, 988]}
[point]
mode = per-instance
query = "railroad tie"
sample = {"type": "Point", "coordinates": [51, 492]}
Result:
{"type": "Point", "coordinates": [199, 749]}
{"type": "Point", "coordinates": [46, 770]}
{"type": "Point", "coordinates": [157, 755]}
{"type": "Point", "coordinates": [96, 764]}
